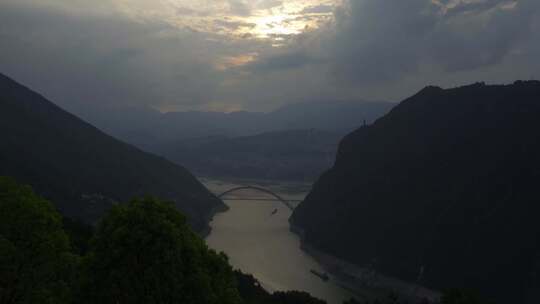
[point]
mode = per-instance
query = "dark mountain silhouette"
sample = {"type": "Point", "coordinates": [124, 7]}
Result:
{"type": "Point", "coordinates": [280, 155]}
{"type": "Point", "coordinates": [341, 116]}
{"type": "Point", "coordinates": [150, 130]}
{"type": "Point", "coordinates": [446, 182]}
{"type": "Point", "coordinates": [82, 169]}
{"type": "Point", "coordinates": [295, 142]}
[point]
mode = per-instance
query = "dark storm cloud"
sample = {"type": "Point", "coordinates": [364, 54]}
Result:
{"type": "Point", "coordinates": [268, 4]}
{"type": "Point", "coordinates": [318, 9]}
{"type": "Point", "coordinates": [386, 40]}
{"type": "Point", "coordinates": [233, 25]}
{"type": "Point", "coordinates": [474, 7]}
{"type": "Point", "coordinates": [282, 62]}
{"type": "Point", "coordinates": [386, 49]}
{"type": "Point", "coordinates": [104, 59]}
{"type": "Point", "coordinates": [83, 53]}
{"type": "Point", "coordinates": [462, 42]}
{"type": "Point", "coordinates": [380, 40]}
{"type": "Point", "coordinates": [239, 7]}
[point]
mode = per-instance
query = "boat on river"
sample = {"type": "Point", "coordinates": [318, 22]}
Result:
{"type": "Point", "coordinates": [322, 275]}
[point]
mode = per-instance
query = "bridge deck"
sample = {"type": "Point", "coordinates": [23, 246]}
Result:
{"type": "Point", "coordinates": [278, 198]}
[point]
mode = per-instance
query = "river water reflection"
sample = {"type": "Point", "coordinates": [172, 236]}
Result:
{"type": "Point", "coordinates": [260, 243]}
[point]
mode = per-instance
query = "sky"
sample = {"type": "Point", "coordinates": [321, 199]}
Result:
{"type": "Point", "coordinates": [258, 55]}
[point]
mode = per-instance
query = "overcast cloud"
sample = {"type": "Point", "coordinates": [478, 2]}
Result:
{"type": "Point", "coordinates": [256, 54]}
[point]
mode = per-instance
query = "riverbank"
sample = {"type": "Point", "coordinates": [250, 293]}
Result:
{"type": "Point", "coordinates": [218, 186]}
{"type": "Point", "coordinates": [367, 284]}
{"type": "Point", "coordinates": [257, 240]}
{"type": "Point", "coordinates": [209, 217]}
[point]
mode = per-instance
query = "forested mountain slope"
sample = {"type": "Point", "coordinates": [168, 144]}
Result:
{"type": "Point", "coordinates": [444, 187]}
{"type": "Point", "coordinates": [82, 169]}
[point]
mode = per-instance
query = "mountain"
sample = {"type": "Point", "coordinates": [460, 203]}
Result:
{"type": "Point", "coordinates": [443, 188]}
{"type": "Point", "coordinates": [295, 142]}
{"type": "Point", "coordinates": [133, 125]}
{"type": "Point", "coordinates": [149, 129]}
{"type": "Point", "coordinates": [82, 169]}
{"type": "Point", "coordinates": [342, 116]}
{"type": "Point", "coordinates": [279, 155]}
{"type": "Point", "coordinates": [192, 124]}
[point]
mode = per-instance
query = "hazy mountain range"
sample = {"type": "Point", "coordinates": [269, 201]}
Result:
{"type": "Point", "coordinates": [297, 141]}
{"type": "Point", "coordinates": [148, 128]}
{"type": "Point", "coordinates": [279, 155]}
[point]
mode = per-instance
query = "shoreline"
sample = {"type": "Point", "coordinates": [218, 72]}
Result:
{"type": "Point", "coordinates": [363, 283]}
{"type": "Point", "coordinates": [367, 284]}
{"type": "Point", "coordinates": [205, 232]}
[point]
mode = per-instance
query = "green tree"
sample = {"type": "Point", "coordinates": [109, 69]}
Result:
{"type": "Point", "coordinates": [79, 234]}
{"type": "Point", "coordinates": [253, 293]}
{"type": "Point", "coordinates": [35, 259]}
{"type": "Point", "coordinates": [294, 297]}
{"type": "Point", "coordinates": [144, 252]}
{"type": "Point", "coordinates": [460, 296]}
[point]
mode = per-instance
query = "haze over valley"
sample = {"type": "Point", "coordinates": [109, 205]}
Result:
{"type": "Point", "coordinates": [269, 151]}
{"type": "Point", "coordinates": [298, 141]}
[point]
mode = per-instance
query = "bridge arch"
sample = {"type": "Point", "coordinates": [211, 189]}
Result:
{"type": "Point", "coordinates": [260, 189]}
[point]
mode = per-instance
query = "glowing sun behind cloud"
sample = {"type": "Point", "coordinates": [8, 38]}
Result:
{"type": "Point", "coordinates": [252, 24]}
{"type": "Point", "coordinates": [290, 18]}
{"type": "Point", "coordinates": [246, 19]}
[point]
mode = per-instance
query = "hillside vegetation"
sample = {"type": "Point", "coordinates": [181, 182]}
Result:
{"type": "Point", "coordinates": [443, 190]}
{"type": "Point", "coordinates": [83, 170]}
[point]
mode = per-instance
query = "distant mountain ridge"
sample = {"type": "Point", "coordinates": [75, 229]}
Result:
{"type": "Point", "coordinates": [82, 169]}
{"type": "Point", "coordinates": [280, 155]}
{"type": "Point", "coordinates": [224, 145]}
{"type": "Point", "coordinates": [443, 189]}
{"type": "Point", "coordinates": [148, 128]}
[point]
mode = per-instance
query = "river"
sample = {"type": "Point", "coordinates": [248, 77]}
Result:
{"type": "Point", "coordinates": [260, 243]}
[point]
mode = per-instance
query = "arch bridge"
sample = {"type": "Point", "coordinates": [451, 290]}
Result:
{"type": "Point", "coordinates": [260, 189]}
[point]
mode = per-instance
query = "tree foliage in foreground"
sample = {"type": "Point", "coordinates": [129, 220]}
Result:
{"type": "Point", "coordinates": [36, 263]}
{"type": "Point", "coordinates": [253, 293]}
{"type": "Point", "coordinates": [459, 296]}
{"type": "Point", "coordinates": [141, 252]}
{"type": "Point", "coordinates": [144, 252]}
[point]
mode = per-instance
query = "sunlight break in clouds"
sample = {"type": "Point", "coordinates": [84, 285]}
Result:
{"type": "Point", "coordinates": [258, 54]}
{"type": "Point", "coordinates": [271, 22]}
{"type": "Point", "coordinates": [248, 19]}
